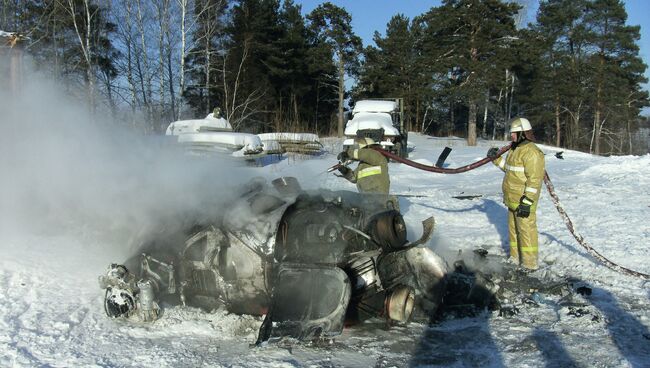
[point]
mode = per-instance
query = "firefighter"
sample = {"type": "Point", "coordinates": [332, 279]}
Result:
{"type": "Point", "coordinates": [524, 168]}
{"type": "Point", "coordinates": [371, 175]}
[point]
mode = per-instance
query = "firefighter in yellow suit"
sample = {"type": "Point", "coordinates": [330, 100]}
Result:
{"type": "Point", "coordinates": [371, 175]}
{"type": "Point", "coordinates": [522, 183]}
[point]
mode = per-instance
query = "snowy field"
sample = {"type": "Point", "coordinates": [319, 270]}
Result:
{"type": "Point", "coordinates": [51, 306]}
{"type": "Point", "coordinates": [72, 201]}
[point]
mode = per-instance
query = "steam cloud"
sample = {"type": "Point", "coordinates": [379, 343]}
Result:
{"type": "Point", "coordinates": [65, 171]}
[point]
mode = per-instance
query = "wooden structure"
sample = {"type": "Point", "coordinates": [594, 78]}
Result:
{"type": "Point", "coordinates": [11, 60]}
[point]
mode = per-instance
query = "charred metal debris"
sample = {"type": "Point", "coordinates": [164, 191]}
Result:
{"type": "Point", "coordinates": [309, 262]}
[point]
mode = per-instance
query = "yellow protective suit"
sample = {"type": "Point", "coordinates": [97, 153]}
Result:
{"type": "Point", "coordinates": [371, 175]}
{"type": "Point", "coordinates": [524, 168]}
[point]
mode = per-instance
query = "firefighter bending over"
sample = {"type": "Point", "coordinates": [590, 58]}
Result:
{"type": "Point", "coordinates": [371, 175]}
{"type": "Point", "coordinates": [524, 168]}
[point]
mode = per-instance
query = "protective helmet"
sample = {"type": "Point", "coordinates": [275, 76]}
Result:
{"type": "Point", "coordinates": [520, 125]}
{"type": "Point", "coordinates": [364, 141]}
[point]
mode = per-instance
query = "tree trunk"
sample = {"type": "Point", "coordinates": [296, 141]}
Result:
{"type": "Point", "coordinates": [471, 123]}
{"type": "Point", "coordinates": [162, 13]}
{"type": "Point", "coordinates": [145, 75]}
{"type": "Point", "coordinates": [417, 114]}
{"type": "Point", "coordinates": [506, 109]}
{"type": "Point", "coordinates": [628, 129]}
{"type": "Point", "coordinates": [594, 146]}
{"type": "Point", "coordinates": [512, 95]}
{"type": "Point", "coordinates": [558, 128]}
{"type": "Point", "coordinates": [85, 46]}
{"type": "Point", "coordinates": [126, 33]}
{"type": "Point", "coordinates": [316, 109]}
{"type": "Point", "coordinates": [452, 117]}
{"type": "Point", "coordinates": [278, 117]}
{"type": "Point", "coordinates": [575, 126]}
{"type": "Point", "coordinates": [207, 70]}
{"type": "Point", "coordinates": [296, 114]}
{"type": "Point", "coordinates": [341, 92]}
{"type": "Point", "coordinates": [55, 41]}
{"type": "Point", "coordinates": [498, 104]}
{"type": "Point", "coordinates": [170, 77]}
{"type": "Point", "coordinates": [485, 113]}
{"type": "Point", "coordinates": [183, 5]}
{"type": "Point", "coordinates": [599, 105]}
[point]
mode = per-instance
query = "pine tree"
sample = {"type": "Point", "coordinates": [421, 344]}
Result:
{"type": "Point", "coordinates": [391, 69]}
{"type": "Point", "coordinates": [323, 92]}
{"type": "Point", "coordinates": [588, 69]}
{"type": "Point", "coordinates": [552, 67]}
{"type": "Point", "coordinates": [288, 69]}
{"type": "Point", "coordinates": [617, 67]}
{"type": "Point", "coordinates": [204, 88]}
{"type": "Point", "coordinates": [467, 40]}
{"type": "Point", "coordinates": [333, 25]}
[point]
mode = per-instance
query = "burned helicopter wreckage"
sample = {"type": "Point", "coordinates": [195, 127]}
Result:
{"type": "Point", "coordinates": [309, 261]}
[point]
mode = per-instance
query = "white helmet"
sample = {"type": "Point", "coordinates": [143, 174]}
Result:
{"type": "Point", "coordinates": [520, 125]}
{"type": "Point", "coordinates": [364, 141]}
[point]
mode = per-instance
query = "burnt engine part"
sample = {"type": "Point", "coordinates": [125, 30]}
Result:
{"type": "Point", "coordinates": [421, 270]}
{"type": "Point", "coordinates": [312, 231]}
{"type": "Point", "coordinates": [287, 186]}
{"type": "Point", "coordinates": [125, 297]}
{"type": "Point", "coordinates": [119, 299]}
{"type": "Point", "coordinates": [119, 302]}
{"type": "Point", "coordinates": [388, 230]}
{"type": "Point", "coordinates": [148, 306]}
{"type": "Point", "coordinates": [468, 293]}
{"type": "Point", "coordinates": [309, 261]}
{"type": "Point", "coordinates": [400, 304]}
{"type": "Point", "coordinates": [308, 302]}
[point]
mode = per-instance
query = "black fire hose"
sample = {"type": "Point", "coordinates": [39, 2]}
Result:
{"type": "Point", "coordinates": [551, 190]}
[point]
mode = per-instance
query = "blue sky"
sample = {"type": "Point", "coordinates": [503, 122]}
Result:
{"type": "Point", "coordinates": [369, 16]}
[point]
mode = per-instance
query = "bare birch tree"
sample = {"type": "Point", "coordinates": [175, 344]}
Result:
{"type": "Point", "coordinates": [142, 62]}
{"type": "Point", "coordinates": [82, 20]}
{"type": "Point", "coordinates": [238, 109]}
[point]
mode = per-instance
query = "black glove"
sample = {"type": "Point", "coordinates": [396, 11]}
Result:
{"type": "Point", "coordinates": [343, 156]}
{"type": "Point", "coordinates": [523, 210]}
{"type": "Point", "coordinates": [492, 152]}
{"type": "Point", "coordinates": [344, 170]}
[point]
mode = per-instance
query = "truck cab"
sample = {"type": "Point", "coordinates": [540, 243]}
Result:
{"type": "Point", "coordinates": [379, 119]}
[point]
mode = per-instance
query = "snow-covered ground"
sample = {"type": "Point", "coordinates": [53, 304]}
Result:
{"type": "Point", "coordinates": [51, 306]}
{"type": "Point", "coordinates": [75, 195]}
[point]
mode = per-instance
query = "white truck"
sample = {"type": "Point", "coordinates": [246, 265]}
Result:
{"type": "Point", "coordinates": [383, 121]}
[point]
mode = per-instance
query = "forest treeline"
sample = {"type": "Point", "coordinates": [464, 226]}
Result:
{"type": "Point", "coordinates": [463, 68]}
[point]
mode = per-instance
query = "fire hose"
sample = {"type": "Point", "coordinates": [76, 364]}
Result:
{"type": "Point", "coordinates": [551, 190]}
{"type": "Point", "coordinates": [442, 170]}
{"type": "Point", "coordinates": [581, 240]}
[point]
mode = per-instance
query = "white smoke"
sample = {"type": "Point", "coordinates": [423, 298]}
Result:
{"type": "Point", "coordinates": [65, 171]}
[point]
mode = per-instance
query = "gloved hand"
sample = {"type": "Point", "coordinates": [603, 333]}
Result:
{"type": "Point", "coordinates": [492, 152]}
{"type": "Point", "coordinates": [343, 156]}
{"type": "Point", "coordinates": [344, 170]}
{"type": "Point", "coordinates": [523, 210]}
